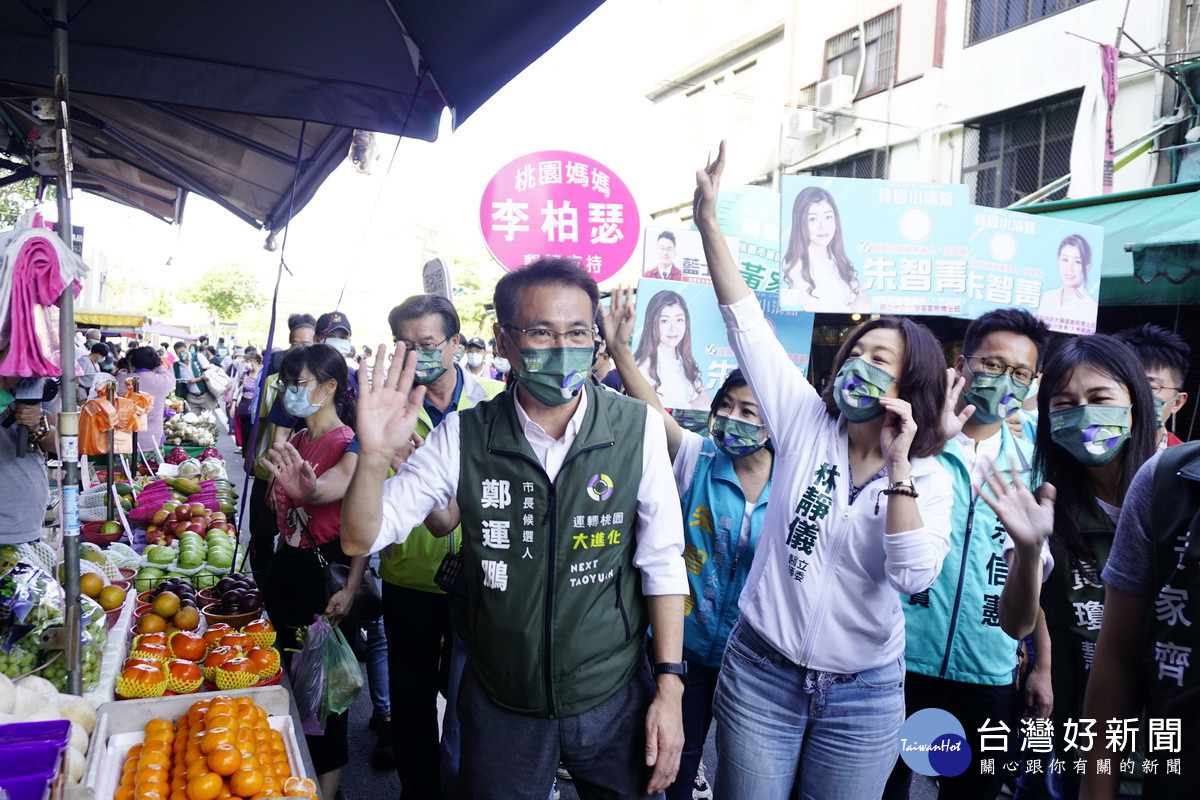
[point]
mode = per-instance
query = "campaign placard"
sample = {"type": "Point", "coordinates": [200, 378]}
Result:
{"type": "Point", "coordinates": [559, 203]}
{"type": "Point", "coordinates": [890, 247]}
{"type": "Point", "coordinates": [680, 345]}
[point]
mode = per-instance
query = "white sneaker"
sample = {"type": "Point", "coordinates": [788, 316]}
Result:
{"type": "Point", "coordinates": [700, 788]}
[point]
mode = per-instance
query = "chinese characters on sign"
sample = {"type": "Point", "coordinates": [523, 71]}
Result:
{"type": "Point", "coordinates": [890, 247]}
{"type": "Point", "coordinates": [558, 203]}
{"type": "Point", "coordinates": [1140, 751]}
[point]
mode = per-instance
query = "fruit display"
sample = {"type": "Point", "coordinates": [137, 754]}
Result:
{"type": "Point", "coordinates": [220, 748]}
{"type": "Point", "coordinates": [191, 429]}
{"type": "Point", "coordinates": [235, 594]}
{"type": "Point", "coordinates": [180, 661]}
{"type": "Point", "coordinates": [34, 699]}
{"type": "Point", "coordinates": [29, 605]}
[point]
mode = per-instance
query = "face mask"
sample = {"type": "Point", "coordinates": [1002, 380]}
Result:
{"type": "Point", "coordinates": [1093, 435]}
{"type": "Point", "coordinates": [1159, 405]}
{"type": "Point", "coordinates": [297, 401]}
{"type": "Point", "coordinates": [857, 390]}
{"type": "Point", "coordinates": [6, 399]}
{"type": "Point", "coordinates": [474, 359]}
{"type": "Point", "coordinates": [690, 419]}
{"type": "Point", "coordinates": [343, 346]}
{"type": "Point", "coordinates": [735, 437]}
{"type": "Point", "coordinates": [501, 365]}
{"type": "Point", "coordinates": [429, 365]}
{"type": "Point", "coordinates": [556, 374]}
{"type": "Point", "coordinates": [994, 396]}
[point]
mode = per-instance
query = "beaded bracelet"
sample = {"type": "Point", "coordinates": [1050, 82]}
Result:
{"type": "Point", "coordinates": [904, 488]}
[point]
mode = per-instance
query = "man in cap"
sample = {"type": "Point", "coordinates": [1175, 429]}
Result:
{"type": "Point", "coordinates": [476, 359]}
{"type": "Point", "coordinates": [333, 329]}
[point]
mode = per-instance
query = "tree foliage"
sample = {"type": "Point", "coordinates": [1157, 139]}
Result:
{"type": "Point", "coordinates": [226, 290]}
{"type": "Point", "coordinates": [474, 281]}
{"type": "Point", "coordinates": [15, 198]}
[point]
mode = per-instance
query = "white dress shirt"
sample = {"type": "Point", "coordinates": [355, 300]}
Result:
{"type": "Point", "coordinates": [429, 481]}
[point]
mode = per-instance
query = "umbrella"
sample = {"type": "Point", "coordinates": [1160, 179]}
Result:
{"type": "Point", "coordinates": [212, 98]}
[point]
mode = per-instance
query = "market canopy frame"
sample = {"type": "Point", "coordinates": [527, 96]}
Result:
{"type": "Point", "coordinates": [192, 96]}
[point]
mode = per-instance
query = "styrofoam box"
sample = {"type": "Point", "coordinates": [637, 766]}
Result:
{"type": "Point", "coordinates": [121, 724]}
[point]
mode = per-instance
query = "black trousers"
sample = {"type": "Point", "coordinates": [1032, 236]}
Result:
{"type": "Point", "coordinates": [416, 624]}
{"type": "Point", "coordinates": [973, 704]}
{"type": "Point", "coordinates": [264, 527]}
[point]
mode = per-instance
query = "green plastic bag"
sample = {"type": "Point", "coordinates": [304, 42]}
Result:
{"type": "Point", "coordinates": [343, 677]}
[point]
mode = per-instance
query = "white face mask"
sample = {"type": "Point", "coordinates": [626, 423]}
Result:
{"type": "Point", "coordinates": [474, 359]}
{"type": "Point", "coordinates": [501, 364]}
{"type": "Point", "coordinates": [343, 346]}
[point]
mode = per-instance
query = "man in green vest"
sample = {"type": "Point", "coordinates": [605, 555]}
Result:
{"type": "Point", "coordinates": [416, 612]}
{"type": "Point", "coordinates": [572, 545]}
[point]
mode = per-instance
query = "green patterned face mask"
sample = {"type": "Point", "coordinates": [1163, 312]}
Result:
{"type": "Point", "coordinates": [857, 390]}
{"type": "Point", "coordinates": [1093, 435]}
{"type": "Point", "coordinates": [555, 375]}
{"type": "Point", "coordinates": [736, 438]}
{"type": "Point", "coordinates": [995, 397]}
{"type": "Point", "coordinates": [429, 365]}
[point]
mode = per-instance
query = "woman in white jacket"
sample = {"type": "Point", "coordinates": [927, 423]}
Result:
{"type": "Point", "coordinates": [811, 688]}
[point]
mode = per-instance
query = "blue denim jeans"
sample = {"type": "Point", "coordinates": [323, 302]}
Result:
{"type": "Point", "coordinates": [373, 652]}
{"type": "Point", "coordinates": [839, 741]}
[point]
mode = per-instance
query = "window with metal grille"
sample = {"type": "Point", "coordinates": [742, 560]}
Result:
{"type": "Point", "coordinates": [1009, 156]}
{"type": "Point", "coordinates": [990, 18]}
{"type": "Point", "coordinates": [871, 164]}
{"type": "Point", "coordinates": [877, 53]}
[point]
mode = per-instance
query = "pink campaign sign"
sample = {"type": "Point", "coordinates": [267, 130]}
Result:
{"type": "Point", "coordinates": [558, 203]}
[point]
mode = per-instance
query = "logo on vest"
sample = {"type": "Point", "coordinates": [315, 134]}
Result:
{"type": "Point", "coordinates": [600, 487]}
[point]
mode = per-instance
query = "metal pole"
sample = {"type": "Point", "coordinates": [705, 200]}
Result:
{"type": "Point", "coordinates": [68, 418]}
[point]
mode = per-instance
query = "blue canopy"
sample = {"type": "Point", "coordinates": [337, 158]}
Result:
{"type": "Point", "coordinates": [208, 97]}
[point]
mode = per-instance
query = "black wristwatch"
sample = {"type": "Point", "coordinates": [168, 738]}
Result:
{"type": "Point", "coordinates": [669, 668]}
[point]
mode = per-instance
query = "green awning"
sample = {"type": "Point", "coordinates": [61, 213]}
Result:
{"type": "Point", "coordinates": [1160, 226]}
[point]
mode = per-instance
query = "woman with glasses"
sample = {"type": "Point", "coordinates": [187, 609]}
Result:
{"type": "Point", "coordinates": [810, 694]}
{"type": "Point", "coordinates": [664, 353]}
{"type": "Point", "coordinates": [311, 472]}
{"type": "Point", "coordinates": [1096, 430]}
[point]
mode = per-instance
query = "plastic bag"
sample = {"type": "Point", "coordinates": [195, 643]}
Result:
{"type": "Point", "coordinates": [343, 677]}
{"type": "Point", "coordinates": [307, 674]}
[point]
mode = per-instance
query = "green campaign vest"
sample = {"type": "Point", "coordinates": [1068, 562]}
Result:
{"type": "Point", "coordinates": [555, 619]}
{"type": "Point", "coordinates": [1172, 681]}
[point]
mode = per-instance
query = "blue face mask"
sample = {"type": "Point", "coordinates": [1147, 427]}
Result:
{"type": "Point", "coordinates": [297, 401]}
{"type": "Point", "coordinates": [343, 346]}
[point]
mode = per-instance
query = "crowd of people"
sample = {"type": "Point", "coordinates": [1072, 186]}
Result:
{"type": "Point", "coordinates": [591, 586]}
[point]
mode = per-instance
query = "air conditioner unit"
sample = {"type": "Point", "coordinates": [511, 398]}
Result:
{"type": "Point", "coordinates": [835, 93]}
{"type": "Point", "coordinates": [801, 124]}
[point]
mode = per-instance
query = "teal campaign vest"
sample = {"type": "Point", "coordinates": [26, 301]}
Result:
{"type": "Point", "coordinates": [952, 630]}
{"type": "Point", "coordinates": [713, 510]}
{"type": "Point", "coordinates": [555, 620]}
{"type": "Point", "coordinates": [1171, 667]}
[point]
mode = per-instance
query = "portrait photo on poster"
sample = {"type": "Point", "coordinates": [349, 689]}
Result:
{"type": "Point", "coordinates": [680, 344]}
{"type": "Point", "coordinates": [677, 254]}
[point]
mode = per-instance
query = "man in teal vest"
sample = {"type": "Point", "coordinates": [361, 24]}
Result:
{"type": "Point", "coordinates": [572, 544]}
{"type": "Point", "coordinates": [416, 613]}
{"type": "Point", "coordinates": [960, 655]}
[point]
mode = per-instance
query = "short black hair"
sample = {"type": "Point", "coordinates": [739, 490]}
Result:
{"type": "Point", "coordinates": [180, 345]}
{"type": "Point", "coordinates": [1007, 320]}
{"type": "Point", "coordinates": [1155, 346]}
{"type": "Point", "coordinates": [204, 337]}
{"type": "Point", "coordinates": [100, 348]}
{"type": "Point", "coordinates": [545, 271]}
{"type": "Point", "coordinates": [424, 305]}
{"type": "Point", "coordinates": [220, 340]}
{"type": "Point", "coordinates": [144, 358]}
{"type": "Point", "coordinates": [301, 321]}
{"type": "Point", "coordinates": [666, 235]}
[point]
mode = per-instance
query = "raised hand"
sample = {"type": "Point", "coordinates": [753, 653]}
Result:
{"type": "Point", "coordinates": [620, 319]}
{"type": "Point", "coordinates": [708, 183]}
{"type": "Point", "coordinates": [290, 471]}
{"type": "Point", "coordinates": [387, 412]}
{"type": "Point", "coordinates": [896, 435]}
{"type": "Point", "coordinates": [1028, 520]}
{"type": "Point", "coordinates": [952, 421]}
